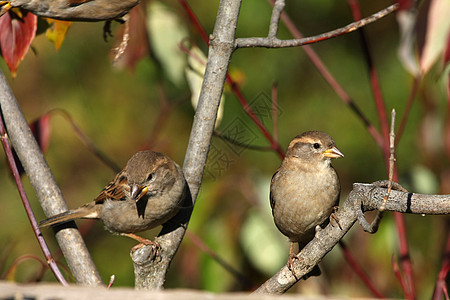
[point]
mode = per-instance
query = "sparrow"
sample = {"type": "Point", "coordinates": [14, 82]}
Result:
{"type": "Point", "coordinates": [147, 193]}
{"type": "Point", "coordinates": [73, 10]}
{"type": "Point", "coordinates": [305, 189]}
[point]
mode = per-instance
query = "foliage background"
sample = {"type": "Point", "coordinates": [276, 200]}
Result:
{"type": "Point", "coordinates": [118, 109]}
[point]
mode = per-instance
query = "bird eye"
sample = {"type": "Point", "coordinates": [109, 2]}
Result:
{"type": "Point", "coordinates": [316, 145]}
{"type": "Point", "coordinates": [150, 177]}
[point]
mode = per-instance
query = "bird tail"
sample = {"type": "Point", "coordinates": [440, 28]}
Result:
{"type": "Point", "coordinates": [83, 212]}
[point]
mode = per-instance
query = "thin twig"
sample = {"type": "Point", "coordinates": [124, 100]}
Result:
{"type": "Point", "coordinates": [391, 160]}
{"type": "Point", "coordinates": [358, 270]}
{"type": "Point", "coordinates": [87, 142]}
{"type": "Point", "coordinates": [239, 144]}
{"type": "Point", "coordinates": [273, 143]}
{"type": "Point", "coordinates": [26, 203]}
{"type": "Point", "coordinates": [195, 20]}
{"type": "Point", "coordinates": [111, 281]}
{"type": "Point", "coordinates": [409, 103]}
{"type": "Point", "coordinates": [398, 274]}
{"type": "Point", "coordinates": [275, 111]}
{"type": "Point", "coordinates": [203, 247]}
{"type": "Point", "coordinates": [440, 286]}
{"type": "Point", "coordinates": [275, 19]}
{"type": "Point", "coordinates": [274, 42]}
{"type": "Point", "coordinates": [12, 268]}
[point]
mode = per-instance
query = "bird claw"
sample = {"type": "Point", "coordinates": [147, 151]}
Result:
{"type": "Point", "coordinates": [334, 220]}
{"type": "Point", "coordinates": [145, 242]}
{"type": "Point", "coordinates": [290, 263]}
{"type": "Point", "coordinates": [107, 31]}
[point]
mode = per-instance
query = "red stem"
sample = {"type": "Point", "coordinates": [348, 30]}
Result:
{"type": "Point", "coordinates": [234, 86]}
{"type": "Point", "coordinates": [330, 79]}
{"type": "Point", "coordinates": [26, 203]}
{"type": "Point", "coordinates": [398, 275]}
{"type": "Point", "coordinates": [359, 271]}
{"type": "Point", "coordinates": [194, 20]}
{"type": "Point", "coordinates": [275, 111]}
{"type": "Point", "coordinates": [409, 104]}
{"type": "Point", "coordinates": [405, 260]}
{"type": "Point", "coordinates": [273, 144]}
{"type": "Point", "coordinates": [447, 124]}
{"type": "Point", "coordinates": [378, 97]}
{"type": "Point", "coordinates": [440, 284]}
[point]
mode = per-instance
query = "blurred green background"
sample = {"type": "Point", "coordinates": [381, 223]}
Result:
{"type": "Point", "coordinates": [121, 110]}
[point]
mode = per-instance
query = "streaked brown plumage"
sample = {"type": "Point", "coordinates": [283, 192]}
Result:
{"type": "Point", "coordinates": [148, 192]}
{"type": "Point", "coordinates": [305, 188]}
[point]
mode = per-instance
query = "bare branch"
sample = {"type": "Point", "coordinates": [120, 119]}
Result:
{"type": "Point", "coordinates": [363, 196]}
{"type": "Point", "coordinates": [391, 159]}
{"type": "Point", "coordinates": [44, 184]}
{"type": "Point", "coordinates": [275, 19]}
{"type": "Point", "coordinates": [274, 42]}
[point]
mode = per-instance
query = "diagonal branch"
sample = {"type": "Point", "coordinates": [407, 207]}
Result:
{"type": "Point", "coordinates": [363, 196]}
{"type": "Point", "coordinates": [274, 42]}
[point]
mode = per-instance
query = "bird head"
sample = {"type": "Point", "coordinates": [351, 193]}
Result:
{"type": "Point", "coordinates": [313, 146]}
{"type": "Point", "coordinates": [148, 174]}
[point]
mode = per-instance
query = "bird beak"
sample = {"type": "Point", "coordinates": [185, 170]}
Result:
{"type": "Point", "coordinates": [137, 192]}
{"type": "Point", "coordinates": [333, 153]}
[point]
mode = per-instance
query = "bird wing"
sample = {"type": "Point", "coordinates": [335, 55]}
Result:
{"type": "Point", "coordinates": [116, 189]}
{"type": "Point", "coordinates": [272, 201]}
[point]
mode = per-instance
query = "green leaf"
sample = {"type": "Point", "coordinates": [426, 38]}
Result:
{"type": "Point", "coordinates": [424, 181]}
{"type": "Point", "coordinates": [166, 32]}
{"type": "Point", "coordinates": [261, 242]}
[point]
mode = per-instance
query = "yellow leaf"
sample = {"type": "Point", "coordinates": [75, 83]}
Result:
{"type": "Point", "coordinates": [57, 31]}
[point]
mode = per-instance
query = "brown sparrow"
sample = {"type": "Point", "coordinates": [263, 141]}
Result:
{"type": "Point", "coordinates": [73, 10]}
{"type": "Point", "coordinates": [148, 192]}
{"type": "Point", "coordinates": [305, 189]}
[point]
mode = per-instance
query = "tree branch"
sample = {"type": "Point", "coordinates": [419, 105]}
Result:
{"type": "Point", "coordinates": [275, 19]}
{"type": "Point", "coordinates": [48, 192]}
{"type": "Point", "coordinates": [274, 42]}
{"type": "Point", "coordinates": [363, 197]}
{"type": "Point", "coordinates": [150, 273]}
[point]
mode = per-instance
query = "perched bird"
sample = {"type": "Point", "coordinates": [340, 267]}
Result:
{"type": "Point", "coordinates": [148, 192]}
{"type": "Point", "coordinates": [73, 10]}
{"type": "Point", "coordinates": [305, 189]}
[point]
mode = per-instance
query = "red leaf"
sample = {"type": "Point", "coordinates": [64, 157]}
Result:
{"type": "Point", "coordinates": [447, 52]}
{"type": "Point", "coordinates": [137, 47]}
{"type": "Point", "coordinates": [41, 132]}
{"type": "Point", "coordinates": [16, 35]}
{"type": "Point", "coordinates": [405, 4]}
